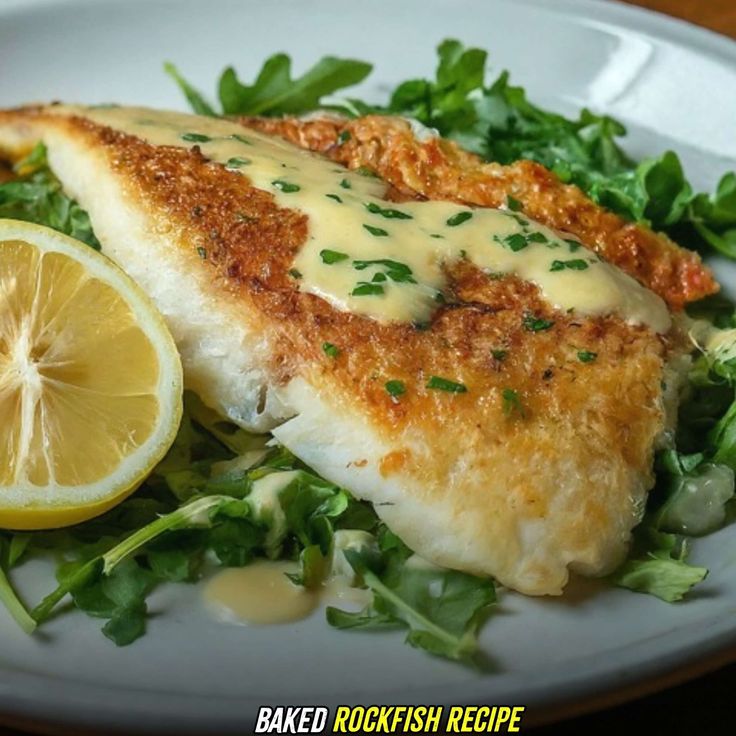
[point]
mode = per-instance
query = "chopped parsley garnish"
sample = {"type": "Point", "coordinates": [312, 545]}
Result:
{"type": "Point", "coordinates": [335, 197]}
{"type": "Point", "coordinates": [536, 324]}
{"type": "Point", "coordinates": [345, 184]}
{"type": "Point", "coordinates": [388, 213]}
{"type": "Point", "coordinates": [285, 186]}
{"type": "Point", "coordinates": [395, 388]}
{"type": "Point", "coordinates": [241, 139]}
{"type": "Point", "coordinates": [364, 288]}
{"type": "Point", "coordinates": [395, 270]}
{"type": "Point", "coordinates": [513, 204]}
{"type": "Point", "coordinates": [379, 277]}
{"type": "Point", "coordinates": [445, 384]}
{"type": "Point", "coordinates": [574, 245]}
{"type": "Point", "coordinates": [512, 402]}
{"type": "Point", "coordinates": [202, 252]}
{"type": "Point", "coordinates": [575, 264]}
{"type": "Point", "coordinates": [586, 356]}
{"type": "Point", "coordinates": [332, 256]}
{"type": "Point", "coordinates": [330, 350]}
{"type": "Point", "coordinates": [499, 355]}
{"type": "Point", "coordinates": [519, 219]}
{"type": "Point", "coordinates": [344, 136]}
{"type": "Point", "coordinates": [195, 138]}
{"type": "Point", "coordinates": [378, 232]}
{"type": "Point", "coordinates": [519, 241]}
{"type": "Point", "coordinates": [365, 171]}
{"type": "Point", "coordinates": [236, 162]}
{"type": "Point", "coordinates": [516, 242]}
{"type": "Point", "coordinates": [295, 273]}
{"type": "Point", "coordinates": [459, 218]}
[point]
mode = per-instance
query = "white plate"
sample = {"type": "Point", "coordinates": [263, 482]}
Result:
{"type": "Point", "coordinates": [672, 83]}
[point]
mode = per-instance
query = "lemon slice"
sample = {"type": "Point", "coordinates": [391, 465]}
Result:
{"type": "Point", "coordinates": [90, 381]}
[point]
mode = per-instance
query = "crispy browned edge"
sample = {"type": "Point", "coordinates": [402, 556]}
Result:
{"type": "Point", "coordinates": [439, 169]}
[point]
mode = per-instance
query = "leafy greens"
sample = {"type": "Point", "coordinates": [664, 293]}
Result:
{"type": "Point", "coordinates": [36, 196]}
{"type": "Point", "coordinates": [203, 506]}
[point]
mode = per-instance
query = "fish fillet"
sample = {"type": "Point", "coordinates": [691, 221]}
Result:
{"type": "Point", "coordinates": [540, 468]}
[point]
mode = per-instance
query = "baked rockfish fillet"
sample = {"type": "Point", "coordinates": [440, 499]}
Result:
{"type": "Point", "coordinates": [493, 386]}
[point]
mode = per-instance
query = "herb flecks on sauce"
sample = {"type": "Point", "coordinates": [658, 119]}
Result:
{"type": "Point", "coordinates": [367, 289]}
{"type": "Point", "coordinates": [422, 237]}
{"type": "Point", "coordinates": [458, 219]}
{"type": "Point", "coordinates": [574, 264]}
{"type": "Point", "coordinates": [286, 187]}
{"type": "Point", "coordinates": [236, 162]}
{"type": "Point", "coordinates": [195, 137]}
{"type": "Point", "coordinates": [387, 212]}
{"type": "Point", "coordinates": [377, 232]}
{"type": "Point", "coordinates": [332, 256]}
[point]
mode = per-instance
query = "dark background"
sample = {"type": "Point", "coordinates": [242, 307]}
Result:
{"type": "Point", "coordinates": [705, 705]}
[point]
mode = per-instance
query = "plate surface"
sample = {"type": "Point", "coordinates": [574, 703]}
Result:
{"type": "Point", "coordinates": [671, 83]}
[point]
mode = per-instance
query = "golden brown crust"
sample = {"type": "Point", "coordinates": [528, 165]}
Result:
{"type": "Point", "coordinates": [439, 169]}
{"type": "Point", "coordinates": [249, 244]}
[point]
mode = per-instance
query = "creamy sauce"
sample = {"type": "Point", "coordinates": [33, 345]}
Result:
{"type": "Point", "coordinates": [721, 344]}
{"type": "Point", "coordinates": [385, 260]}
{"type": "Point", "coordinates": [259, 593]}
{"type": "Point", "coordinates": [338, 592]}
{"type": "Point", "coordinates": [718, 343]}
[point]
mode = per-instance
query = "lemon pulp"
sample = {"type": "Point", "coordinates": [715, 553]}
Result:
{"type": "Point", "coordinates": [90, 381]}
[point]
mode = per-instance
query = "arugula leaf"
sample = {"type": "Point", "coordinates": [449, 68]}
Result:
{"type": "Point", "coordinates": [664, 578]}
{"type": "Point", "coordinates": [195, 99]}
{"type": "Point", "coordinates": [119, 598]}
{"type": "Point", "coordinates": [658, 565]}
{"type": "Point", "coordinates": [444, 103]}
{"type": "Point", "coordinates": [274, 92]}
{"type": "Point", "coordinates": [126, 624]}
{"type": "Point", "coordinates": [442, 608]}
